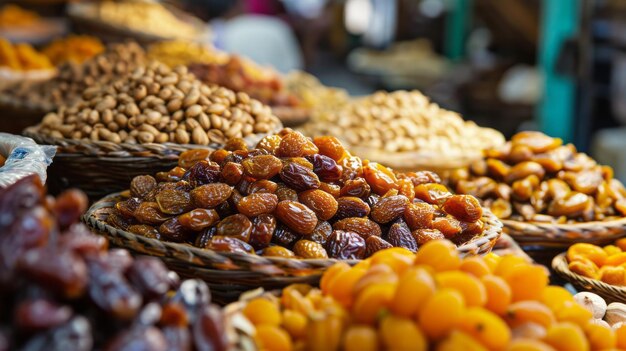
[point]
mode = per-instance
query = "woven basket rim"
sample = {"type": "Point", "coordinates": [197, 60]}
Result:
{"type": "Point", "coordinates": [99, 147]}
{"type": "Point", "coordinates": [564, 226]}
{"type": "Point", "coordinates": [560, 265]}
{"type": "Point", "coordinates": [490, 234]}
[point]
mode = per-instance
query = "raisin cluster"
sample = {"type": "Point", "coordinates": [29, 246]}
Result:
{"type": "Point", "coordinates": [61, 289]}
{"type": "Point", "coordinates": [294, 197]}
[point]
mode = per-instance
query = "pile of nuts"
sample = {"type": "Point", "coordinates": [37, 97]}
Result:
{"type": "Point", "coordinates": [294, 197]}
{"type": "Point", "coordinates": [535, 178]}
{"type": "Point", "coordinates": [62, 290]}
{"type": "Point", "coordinates": [403, 121]}
{"type": "Point", "coordinates": [432, 300]}
{"type": "Point", "coordinates": [313, 94]}
{"type": "Point", "coordinates": [157, 104]}
{"type": "Point", "coordinates": [67, 87]}
{"type": "Point", "coordinates": [600, 263]}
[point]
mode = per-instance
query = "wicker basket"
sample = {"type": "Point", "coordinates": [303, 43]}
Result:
{"type": "Point", "coordinates": [230, 274]}
{"type": "Point", "coordinates": [553, 236]}
{"type": "Point", "coordinates": [101, 167]}
{"type": "Point", "coordinates": [611, 293]}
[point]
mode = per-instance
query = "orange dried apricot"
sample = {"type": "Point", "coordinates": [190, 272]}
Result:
{"type": "Point", "coordinates": [584, 267]}
{"type": "Point", "coordinates": [475, 266]}
{"type": "Point", "coordinates": [528, 345]}
{"type": "Point", "coordinates": [439, 254]}
{"type": "Point", "coordinates": [398, 333]}
{"type": "Point", "coordinates": [611, 250]}
{"type": "Point", "coordinates": [470, 287]}
{"type": "Point", "coordinates": [398, 258]}
{"type": "Point", "coordinates": [492, 260]}
{"type": "Point", "coordinates": [529, 331]}
{"type": "Point", "coordinates": [332, 273]}
{"type": "Point", "coordinates": [567, 337]}
{"type": "Point", "coordinates": [527, 282]}
{"type": "Point", "coordinates": [262, 311]}
{"type": "Point", "coordinates": [529, 311]}
{"type": "Point", "coordinates": [376, 274]}
{"type": "Point", "coordinates": [621, 243]}
{"type": "Point", "coordinates": [445, 302]}
{"type": "Point", "coordinates": [415, 286]}
{"type": "Point", "coordinates": [371, 301]}
{"type": "Point", "coordinates": [600, 337]}
{"type": "Point", "coordinates": [498, 293]}
{"type": "Point", "coordinates": [486, 327]}
{"type": "Point", "coordinates": [620, 335]}
{"type": "Point", "coordinates": [613, 275]}
{"type": "Point", "coordinates": [341, 287]}
{"type": "Point", "coordinates": [555, 296]}
{"type": "Point", "coordinates": [588, 251]}
{"type": "Point", "coordinates": [271, 337]}
{"type": "Point", "coordinates": [571, 311]}
{"type": "Point", "coordinates": [460, 341]}
{"type": "Point", "coordinates": [295, 323]}
{"type": "Point", "coordinates": [360, 338]}
{"type": "Point", "coordinates": [615, 260]}
{"type": "Point", "coordinates": [506, 264]}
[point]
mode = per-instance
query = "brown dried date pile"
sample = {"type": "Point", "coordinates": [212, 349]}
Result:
{"type": "Point", "coordinates": [62, 290]}
{"type": "Point", "coordinates": [536, 178]}
{"type": "Point", "coordinates": [294, 197]}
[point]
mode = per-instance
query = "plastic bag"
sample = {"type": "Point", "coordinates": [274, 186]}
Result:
{"type": "Point", "coordinates": [24, 157]}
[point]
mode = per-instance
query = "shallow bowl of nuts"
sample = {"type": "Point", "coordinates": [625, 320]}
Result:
{"type": "Point", "coordinates": [284, 211]}
{"type": "Point", "coordinates": [545, 193]}
{"type": "Point", "coordinates": [141, 123]}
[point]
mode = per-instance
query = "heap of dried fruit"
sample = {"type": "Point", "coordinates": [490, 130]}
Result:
{"type": "Point", "coordinates": [13, 16]}
{"type": "Point", "coordinates": [74, 48]}
{"type": "Point", "coordinates": [22, 57]}
{"type": "Point", "coordinates": [157, 104]}
{"type": "Point", "coordinates": [62, 290]}
{"type": "Point", "coordinates": [432, 300]}
{"type": "Point", "coordinates": [535, 178]}
{"type": "Point", "coordinates": [68, 86]}
{"type": "Point", "coordinates": [293, 196]}
{"type": "Point", "coordinates": [404, 121]}
{"type": "Point", "coordinates": [607, 264]}
{"type": "Point", "coordinates": [139, 16]}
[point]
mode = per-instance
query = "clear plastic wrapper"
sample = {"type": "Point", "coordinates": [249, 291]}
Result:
{"type": "Point", "coordinates": [23, 157]}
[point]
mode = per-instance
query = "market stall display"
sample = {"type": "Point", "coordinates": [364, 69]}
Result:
{"type": "Point", "coordinates": [404, 130]}
{"type": "Point", "coordinates": [21, 62]}
{"type": "Point", "coordinates": [144, 21]}
{"type": "Point", "coordinates": [397, 300]}
{"type": "Point", "coordinates": [291, 197]}
{"type": "Point", "coordinates": [547, 193]}
{"type": "Point", "coordinates": [63, 290]}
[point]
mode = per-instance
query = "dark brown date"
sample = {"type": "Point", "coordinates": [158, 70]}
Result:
{"type": "Point", "coordinates": [345, 245]}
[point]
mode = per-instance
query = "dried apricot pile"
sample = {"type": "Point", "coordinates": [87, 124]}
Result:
{"type": "Point", "coordinates": [607, 263]}
{"type": "Point", "coordinates": [293, 196]}
{"type": "Point", "coordinates": [397, 300]}
{"type": "Point", "coordinates": [536, 178]}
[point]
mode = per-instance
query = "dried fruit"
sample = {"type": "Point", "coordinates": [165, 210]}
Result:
{"type": "Point", "coordinates": [389, 208]}
{"type": "Point", "coordinates": [262, 166]}
{"type": "Point", "coordinates": [299, 177]}
{"type": "Point", "coordinates": [296, 216]}
{"type": "Point", "coordinates": [463, 207]}
{"type": "Point", "coordinates": [211, 195]}
{"type": "Point", "coordinates": [322, 203]}
{"type": "Point", "coordinates": [257, 204]}
{"type": "Point", "coordinates": [263, 227]}
{"type": "Point", "coordinates": [198, 219]}
{"type": "Point", "coordinates": [345, 245]}
{"type": "Point", "coordinates": [349, 206]}
{"type": "Point", "coordinates": [309, 249]}
{"type": "Point", "coordinates": [173, 201]}
{"type": "Point", "coordinates": [363, 226]}
{"type": "Point", "coordinates": [236, 226]}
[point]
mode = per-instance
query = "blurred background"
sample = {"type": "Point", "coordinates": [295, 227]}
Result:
{"type": "Point", "coordinates": [558, 66]}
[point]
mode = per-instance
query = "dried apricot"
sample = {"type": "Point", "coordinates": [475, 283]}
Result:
{"type": "Point", "coordinates": [529, 311]}
{"type": "Point", "coordinates": [270, 337]}
{"type": "Point", "coordinates": [371, 301]}
{"type": "Point", "coordinates": [360, 338]}
{"type": "Point", "coordinates": [528, 345]}
{"type": "Point", "coordinates": [498, 293]}
{"type": "Point", "coordinates": [262, 311]}
{"type": "Point", "coordinates": [527, 282]}
{"type": "Point", "coordinates": [475, 266]}
{"type": "Point", "coordinates": [458, 340]}
{"type": "Point", "coordinates": [473, 291]}
{"type": "Point", "coordinates": [330, 146]}
{"type": "Point", "coordinates": [567, 337]}
{"type": "Point", "coordinates": [380, 178]}
{"type": "Point", "coordinates": [441, 255]}
{"type": "Point", "coordinates": [485, 327]}
{"type": "Point", "coordinates": [444, 302]}
{"type": "Point", "coordinates": [600, 337]}
{"type": "Point", "coordinates": [588, 251]}
{"type": "Point", "coordinates": [414, 288]}
{"type": "Point", "coordinates": [398, 333]}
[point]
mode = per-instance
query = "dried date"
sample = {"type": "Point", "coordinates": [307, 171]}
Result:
{"type": "Point", "coordinates": [236, 226]}
{"type": "Point", "coordinates": [263, 227]}
{"type": "Point", "coordinates": [345, 245]}
{"type": "Point", "coordinates": [365, 227]}
{"type": "Point", "coordinates": [322, 203]}
{"type": "Point", "coordinates": [389, 208]}
{"type": "Point", "coordinates": [296, 216]}
{"type": "Point", "coordinates": [299, 177]}
{"type": "Point", "coordinates": [257, 204]}
{"type": "Point", "coordinates": [211, 195]}
{"type": "Point", "coordinates": [349, 206]}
